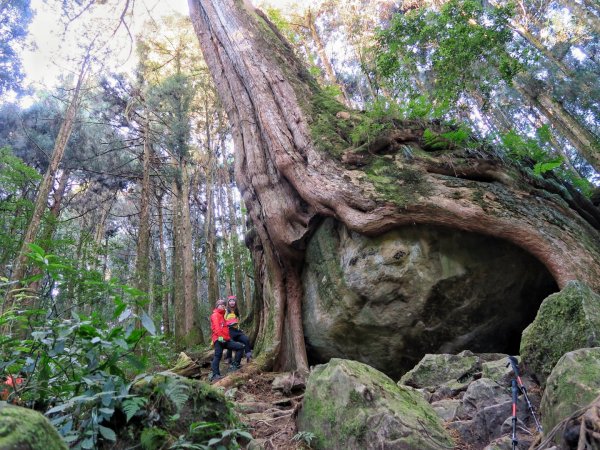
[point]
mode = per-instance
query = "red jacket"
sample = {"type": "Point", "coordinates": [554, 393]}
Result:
{"type": "Point", "coordinates": [217, 325]}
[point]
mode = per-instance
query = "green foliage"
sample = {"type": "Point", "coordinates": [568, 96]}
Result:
{"type": "Point", "coordinates": [131, 406]}
{"type": "Point", "coordinates": [153, 438]}
{"type": "Point", "coordinates": [523, 148]}
{"type": "Point", "coordinates": [328, 131]}
{"type": "Point", "coordinates": [172, 100]}
{"type": "Point", "coordinates": [305, 437]}
{"type": "Point", "coordinates": [76, 368]}
{"type": "Point", "coordinates": [16, 178]}
{"type": "Point", "coordinates": [282, 24]}
{"type": "Point", "coordinates": [461, 137]}
{"type": "Point", "coordinates": [462, 47]}
{"type": "Point", "coordinates": [201, 432]}
{"type": "Point", "coordinates": [15, 17]}
{"type": "Point", "coordinates": [176, 392]}
{"type": "Point", "coordinates": [536, 153]}
{"type": "Point", "coordinates": [376, 120]}
{"type": "Point", "coordinates": [15, 175]}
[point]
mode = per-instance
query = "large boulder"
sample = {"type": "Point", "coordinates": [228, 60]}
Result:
{"type": "Point", "coordinates": [349, 405]}
{"type": "Point", "coordinates": [390, 299]}
{"type": "Point", "coordinates": [572, 385]}
{"type": "Point", "coordinates": [25, 429]}
{"type": "Point", "coordinates": [566, 321]}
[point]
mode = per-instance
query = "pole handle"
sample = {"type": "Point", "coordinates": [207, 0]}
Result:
{"type": "Point", "coordinates": [512, 361]}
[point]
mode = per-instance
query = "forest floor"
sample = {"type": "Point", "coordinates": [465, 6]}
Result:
{"type": "Point", "coordinates": [268, 414]}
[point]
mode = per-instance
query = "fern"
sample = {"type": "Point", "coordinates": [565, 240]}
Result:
{"type": "Point", "coordinates": [132, 405]}
{"type": "Point", "coordinates": [177, 392]}
{"type": "Point", "coordinates": [546, 166]}
{"type": "Point", "coordinates": [305, 437]}
{"type": "Point", "coordinates": [153, 438]}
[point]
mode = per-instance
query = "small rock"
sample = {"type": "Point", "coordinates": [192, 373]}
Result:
{"type": "Point", "coordinates": [447, 409]}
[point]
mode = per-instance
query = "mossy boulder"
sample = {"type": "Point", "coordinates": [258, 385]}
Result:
{"type": "Point", "coordinates": [566, 321]}
{"type": "Point", "coordinates": [572, 385]}
{"type": "Point", "coordinates": [349, 405]}
{"type": "Point", "coordinates": [435, 371]}
{"type": "Point", "coordinates": [25, 429]}
{"type": "Point", "coordinates": [177, 402]}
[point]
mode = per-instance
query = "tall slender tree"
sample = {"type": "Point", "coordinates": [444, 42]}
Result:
{"type": "Point", "coordinates": [41, 201]}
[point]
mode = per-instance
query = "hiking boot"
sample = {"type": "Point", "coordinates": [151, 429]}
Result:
{"type": "Point", "coordinates": [248, 357]}
{"type": "Point", "coordinates": [214, 377]}
{"type": "Point", "coordinates": [234, 366]}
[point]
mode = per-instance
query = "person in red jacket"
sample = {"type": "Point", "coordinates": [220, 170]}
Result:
{"type": "Point", "coordinates": [222, 340]}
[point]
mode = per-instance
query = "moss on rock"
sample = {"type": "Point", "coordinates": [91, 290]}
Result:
{"type": "Point", "coordinates": [435, 370]}
{"type": "Point", "coordinates": [26, 429]}
{"type": "Point", "coordinates": [349, 405]}
{"type": "Point", "coordinates": [178, 402]}
{"type": "Point", "coordinates": [573, 384]}
{"type": "Point", "coordinates": [566, 321]}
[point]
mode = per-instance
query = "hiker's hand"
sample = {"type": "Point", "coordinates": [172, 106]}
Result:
{"type": "Point", "coordinates": [221, 339]}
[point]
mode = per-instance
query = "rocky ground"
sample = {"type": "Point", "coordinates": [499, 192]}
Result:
{"type": "Point", "coordinates": [475, 411]}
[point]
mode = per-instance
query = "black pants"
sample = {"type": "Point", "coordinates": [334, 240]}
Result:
{"type": "Point", "coordinates": [229, 345]}
{"type": "Point", "coordinates": [239, 336]}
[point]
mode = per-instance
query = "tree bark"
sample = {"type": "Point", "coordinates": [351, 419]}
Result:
{"type": "Point", "coordinates": [289, 180]}
{"type": "Point", "coordinates": [235, 243]}
{"type": "Point", "coordinates": [163, 270]}
{"type": "Point", "coordinates": [209, 224]}
{"type": "Point", "coordinates": [187, 328]}
{"type": "Point", "coordinates": [142, 263]}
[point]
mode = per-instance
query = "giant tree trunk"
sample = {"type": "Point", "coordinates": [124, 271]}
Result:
{"type": "Point", "coordinates": [292, 170]}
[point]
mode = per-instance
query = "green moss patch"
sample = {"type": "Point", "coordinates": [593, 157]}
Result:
{"type": "Point", "coordinates": [349, 405]}
{"type": "Point", "coordinates": [25, 429]}
{"type": "Point", "coordinates": [566, 321]}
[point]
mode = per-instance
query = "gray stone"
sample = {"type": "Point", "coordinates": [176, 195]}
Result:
{"type": "Point", "coordinates": [447, 409]}
{"type": "Point", "coordinates": [488, 423]}
{"type": "Point", "coordinates": [390, 299]}
{"type": "Point", "coordinates": [435, 371]}
{"type": "Point", "coordinates": [566, 321]}
{"type": "Point", "coordinates": [573, 384]}
{"type": "Point", "coordinates": [498, 371]}
{"type": "Point", "coordinates": [349, 405]}
{"type": "Point", "coordinates": [502, 443]}
{"type": "Point", "coordinates": [483, 393]}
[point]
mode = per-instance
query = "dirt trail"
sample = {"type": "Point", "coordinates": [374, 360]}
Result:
{"type": "Point", "coordinates": [269, 414]}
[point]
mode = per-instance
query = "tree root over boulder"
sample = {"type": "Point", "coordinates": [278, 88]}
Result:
{"type": "Point", "coordinates": [579, 431]}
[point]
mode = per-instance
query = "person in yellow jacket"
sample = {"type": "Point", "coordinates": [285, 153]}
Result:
{"type": "Point", "coordinates": [232, 320]}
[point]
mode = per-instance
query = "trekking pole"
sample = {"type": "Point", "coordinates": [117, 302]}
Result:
{"type": "Point", "coordinates": [515, 396]}
{"type": "Point", "coordinates": [515, 367]}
